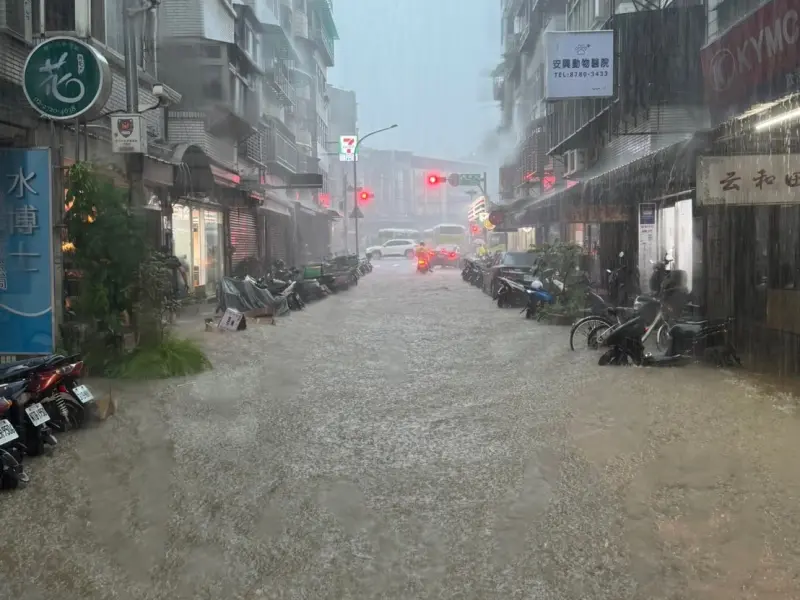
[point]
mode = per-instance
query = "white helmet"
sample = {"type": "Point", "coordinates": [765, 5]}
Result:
{"type": "Point", "coordinates": [536, 284]}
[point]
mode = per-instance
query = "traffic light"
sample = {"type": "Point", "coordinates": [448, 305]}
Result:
{"type": "Point", "coordinates": [435, 179]}
{"type": "Point", "coordinates": [474, 229]}
{"type": "Point", "coordinates": [364, 196]}
{"type": "Point", "coordinates": [496, 218]}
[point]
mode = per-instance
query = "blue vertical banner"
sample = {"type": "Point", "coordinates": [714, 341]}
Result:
{"type": "Point", "coordinates": [27, 324]}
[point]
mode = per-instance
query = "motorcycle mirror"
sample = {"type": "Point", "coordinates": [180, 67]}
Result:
{"type": "Point", "coordinates": [608, 270]}
{"type": "Point", "coordinates": [621, 254]}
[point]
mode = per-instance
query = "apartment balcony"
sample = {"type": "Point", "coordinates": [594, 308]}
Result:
{"type": "Point", "coordinates": [498, 88]}
{"type": "Point", "coordinates": [324, 43]}
{"type": "Point", "coordinates": [300, 25]}
{"type": "Point", "coordinates": [286, 18]}
{"type": "Point", "coordinates": [278, 148]}
{"type": "Point", "coordinates": [511, 7]}
{"type": "Point", "coordinates": [304, 140]}
{"type": "Point", "coordinates": [278, 79]}
{"type": "Point", "coordinates": [253, 147]}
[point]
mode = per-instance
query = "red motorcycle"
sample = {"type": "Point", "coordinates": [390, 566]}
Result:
{"type": "Point", "coordinates": [54, 382]}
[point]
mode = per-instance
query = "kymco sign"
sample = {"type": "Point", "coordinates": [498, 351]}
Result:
{"type": "Point", "coordinates": [756, 59]}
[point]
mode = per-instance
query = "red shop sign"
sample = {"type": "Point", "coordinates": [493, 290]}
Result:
{"type": "Point", "coordinates": [755, 52]}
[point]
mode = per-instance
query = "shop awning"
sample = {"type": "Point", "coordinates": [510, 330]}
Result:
{"type": "Point", "coordinates": [275, 203]}
{"type": "Point", "coordinates": [547, 199]}
{"type": "Point", "coordinates": [661, 172]}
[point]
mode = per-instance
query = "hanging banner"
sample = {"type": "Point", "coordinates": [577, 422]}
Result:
{"type": "Point", "coordinates": [26, 253]}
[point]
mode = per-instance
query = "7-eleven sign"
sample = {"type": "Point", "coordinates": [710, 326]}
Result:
{"type": "Point", "coordinates": [347, 148]}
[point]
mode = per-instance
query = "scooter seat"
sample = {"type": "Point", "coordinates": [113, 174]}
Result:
{"type": "Point", "coordinates": [687, 328]}
{"type": "Point", "coordinates": [12, 390]}
{"type": "Point", "coordinates": [23, 364]}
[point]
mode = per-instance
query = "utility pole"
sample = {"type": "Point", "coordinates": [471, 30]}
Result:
{"type": "Point", "coordinates": [344, 210]}
{"type": "Point", "coordinates": [133, 11]}
{"type": "Point", "coordinates": [355, 173]}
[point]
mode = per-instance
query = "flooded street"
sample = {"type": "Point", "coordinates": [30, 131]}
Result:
{"type": "Point", "coordinates": [407, 439]}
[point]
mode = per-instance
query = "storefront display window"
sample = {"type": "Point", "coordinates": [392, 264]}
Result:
{"type": "Point", "coordinates": [198, 238]}
{"type": "Point", "coordinates": [212, 229]}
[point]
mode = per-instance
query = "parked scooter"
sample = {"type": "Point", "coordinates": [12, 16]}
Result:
{"type": "Point", "coordinates": [689, 340]}
{"type": "Point", "coordinates": [54, 381]}
{"type": "Point", "coordinates": [12, 473]}
{"type": "Point", "coordinates": [28, 417]}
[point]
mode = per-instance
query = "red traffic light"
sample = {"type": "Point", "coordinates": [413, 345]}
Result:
{"type": "Point", "coordinates": [475, 229]}
{"type": "Point", "coordinates": [435, 179]}
{"type": "Point", "coordinates": [364, 196]}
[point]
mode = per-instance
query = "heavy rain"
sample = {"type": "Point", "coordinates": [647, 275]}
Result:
{"type": "Point", "coordinates": [304, 299]}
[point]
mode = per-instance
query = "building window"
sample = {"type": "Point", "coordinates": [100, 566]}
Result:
{"type": "Point", "coordinates": [114, 30]}
{"type": "Point", "coordinates": [730, 11]}
{"type": "Point", "coordinates": [212, 83]}
{"type": "Point", "coordinates": [59, 15]}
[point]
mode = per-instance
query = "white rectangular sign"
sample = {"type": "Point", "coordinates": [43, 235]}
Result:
{"type": "Point", "coordinates": [348, 148]}
{"type": "Point", "coordinates": [580, 64]}
{"type": "Point", "coordinates": [128, 134]}
{"type": "Point", "coordinates": [230, 320]}
{"type": "Point", "coordinates": [748, 180]}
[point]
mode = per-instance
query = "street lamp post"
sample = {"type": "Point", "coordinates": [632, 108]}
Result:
{"type": "Point", "coordinates": [355, 176]}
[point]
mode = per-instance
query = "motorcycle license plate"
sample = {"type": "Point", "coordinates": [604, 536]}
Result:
{"type": "Point", "coordinates": [83, 394]}
{"type": "Point", "coordinates": [37, 414]}
{"type": "Point", "coordinates": [7, 432]}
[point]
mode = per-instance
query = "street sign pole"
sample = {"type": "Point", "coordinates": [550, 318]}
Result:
{"type": "Point", "coordinates": [355, 192]}
{"type": "Point", "coordinates": [355, 174]}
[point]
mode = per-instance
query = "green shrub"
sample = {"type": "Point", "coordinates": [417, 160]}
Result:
{"type": "Point", "coordinates": [173, 357]}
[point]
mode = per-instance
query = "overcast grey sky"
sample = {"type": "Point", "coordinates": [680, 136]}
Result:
{"type": "Point", "coordinates": [422, 64]}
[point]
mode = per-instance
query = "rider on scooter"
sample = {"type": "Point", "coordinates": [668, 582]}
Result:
{"type": "Point", "coordinates": [422, 253]}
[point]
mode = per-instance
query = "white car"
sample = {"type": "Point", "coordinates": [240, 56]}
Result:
{"type": "Point", "coordinates": [393, 248]}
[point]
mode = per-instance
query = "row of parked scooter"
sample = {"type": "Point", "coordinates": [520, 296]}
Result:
{"type": "Point", "coordinates": [291, 288]}
{"type": "Point", "coordinates": [621, 325]}
{"type": "Point", "coordinates": [38, 398]}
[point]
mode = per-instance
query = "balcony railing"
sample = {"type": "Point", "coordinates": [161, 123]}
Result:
{"type": "Point", "coordinates": [278, 78]}
{"type": "Point", "coordinates": [326, 43]}
{"type": "Point", "coordinates": [278, 149]}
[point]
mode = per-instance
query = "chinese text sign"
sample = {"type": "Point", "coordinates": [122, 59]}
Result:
{"type": "Point", "coordinates": [580, 64]}
{"type": "Point", "coordinates": [748, 180]}
{"type": "Point", "coordinates": [26, 255]}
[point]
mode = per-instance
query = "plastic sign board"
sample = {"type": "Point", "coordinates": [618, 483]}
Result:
{"type": "Point", "coordinates": [580, 64]}
{"type": "Point", "coordinates": [26, 252]}
{"type": "Point", "coordinates": [231, 320]}
{"type": "Point", "coordinates": [348, 148]}
{"type": "Point", "coordinates": [128, 134]}
{"type": "Point", "coordinates": [65, 79]}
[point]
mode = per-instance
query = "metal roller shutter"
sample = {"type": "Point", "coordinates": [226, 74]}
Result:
{"type": "Point", "coordinates": [277, 237]}
{"type": "Point", "coordinates": [244, 237]}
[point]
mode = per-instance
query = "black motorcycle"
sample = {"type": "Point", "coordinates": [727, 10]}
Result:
{"type": "Point", "coordinates": [12, 450]}
{"type": "Point", "coordinates": [689, 340]}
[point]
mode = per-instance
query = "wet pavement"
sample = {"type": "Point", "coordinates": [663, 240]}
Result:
{"type": "Point", "coordinates": [409, 440]}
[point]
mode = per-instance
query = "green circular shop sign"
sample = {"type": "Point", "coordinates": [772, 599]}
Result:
{"type": "Point", "coordinates": [65, 79]}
